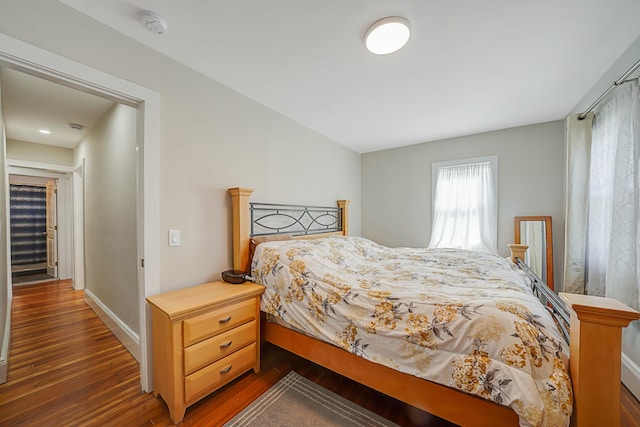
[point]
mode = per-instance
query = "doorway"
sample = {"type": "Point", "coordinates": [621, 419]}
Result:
{"type": "Point", "coordinates": [36, 61]}
{"type": "Point", "coordinates": [34, 231]}
{"type": "Point", "coordinates": [34, 257]}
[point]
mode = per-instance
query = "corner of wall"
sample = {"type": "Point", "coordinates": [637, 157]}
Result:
{"type": "Point", "coordinates": [4, 349]}
{"type": "Point", "coordinates": [127, 337]}
{"type": "Point", "coordinates": [631, 375]}
{"type": "Point", "coordinates": [5, 254]}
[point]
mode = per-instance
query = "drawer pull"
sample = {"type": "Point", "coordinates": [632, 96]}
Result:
{"type": "Point", "coordinates": [225, 344]}
{"type": "Point", "coordinates": [225, 370]}
{"type": "Point", "coordinates": [225, 320]}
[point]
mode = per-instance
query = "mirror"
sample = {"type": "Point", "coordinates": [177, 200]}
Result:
{"type": "Point", "coordinates": [536, 232]}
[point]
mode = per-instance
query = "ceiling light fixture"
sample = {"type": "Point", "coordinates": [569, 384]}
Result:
{"type": "Point", "coordinates": [153, 22]}
{"type": "Point", "coordinates": [387, 35]}
{"type": "Point", "coordinates": [45, 131]}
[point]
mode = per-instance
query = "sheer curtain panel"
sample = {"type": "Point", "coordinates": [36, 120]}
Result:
{"type": "Point", "coordinates": [464, 213]}
{"type": "Point", "coordinates": [613, 227]}
{"type": "Point", "coordinates": [577, 189]}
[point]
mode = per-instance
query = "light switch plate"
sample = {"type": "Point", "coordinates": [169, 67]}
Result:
{"type": "Point", "coordinates": [174, 237]}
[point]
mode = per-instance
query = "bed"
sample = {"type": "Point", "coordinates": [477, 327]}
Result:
{"type": "Point", "coordinates": [475, 376]}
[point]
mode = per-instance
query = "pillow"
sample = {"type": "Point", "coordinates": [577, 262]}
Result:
{"type": "Point", "coordinates": [256, 240]}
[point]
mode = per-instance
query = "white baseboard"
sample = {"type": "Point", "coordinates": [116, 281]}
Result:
{"type": "Point", "coordinates": [5, 343]}
{"type": "Point", "coordinates": [35, 282]}
{"type": "Point", "coordinates": [4, 366]}
{"type": "Point", "coordinates": [631, 375]}
{"type": "Point", "coordinates": [127, 337]}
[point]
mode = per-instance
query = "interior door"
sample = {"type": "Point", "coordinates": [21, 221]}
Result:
{"type": "Point", "coordinates": [52, 228]}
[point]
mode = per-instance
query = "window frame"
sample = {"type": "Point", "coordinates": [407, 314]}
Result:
{"type": "Point", "coordinates": [491, 159]}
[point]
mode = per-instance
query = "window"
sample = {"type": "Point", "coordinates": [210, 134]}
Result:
{"type": "Point", "coordinates": [465, 205]}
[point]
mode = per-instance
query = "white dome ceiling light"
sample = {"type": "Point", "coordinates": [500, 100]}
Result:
{"type": "Point", "coordinates": [387, 35]}
{"type": "Point", "coordinates": [153, 22]}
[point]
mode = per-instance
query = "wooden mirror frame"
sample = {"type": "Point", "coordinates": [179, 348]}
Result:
{"type": "Point", "coordinates": [548, 241]}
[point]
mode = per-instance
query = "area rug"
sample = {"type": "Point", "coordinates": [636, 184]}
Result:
{"type": "Point", "coordinates": [295, 401]}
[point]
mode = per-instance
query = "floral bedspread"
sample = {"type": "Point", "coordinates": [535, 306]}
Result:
{"type": "Point", "coordinates": [463, 319]}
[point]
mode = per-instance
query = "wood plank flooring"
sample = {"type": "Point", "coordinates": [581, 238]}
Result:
{"type": "Point", "coordinates": [66, 368]}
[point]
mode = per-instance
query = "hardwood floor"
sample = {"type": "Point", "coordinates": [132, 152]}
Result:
{"type": "Point", "coordinates": [66, 368]}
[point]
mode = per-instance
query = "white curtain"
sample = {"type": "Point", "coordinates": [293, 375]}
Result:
{"type": "Point", "coordinates": [613, 254]}
{"type": "Point", "coordinates": [578, 135]}
{"type": "Point", "coordinates": [464, 213]}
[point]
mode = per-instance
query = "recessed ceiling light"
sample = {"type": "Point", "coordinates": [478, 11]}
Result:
{"type": "Point", "coordinates": [45, 131]}
{"type": "Point", "coordinates": [387, 35]}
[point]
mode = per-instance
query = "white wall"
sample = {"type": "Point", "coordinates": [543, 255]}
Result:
{"type": "Point", "coordinates": [397, 184]}
{"type": "Point", "coordinates": [110, 195]}
{"type": "Point", "coordinates": [212, 138]}
{"type": "Point", "coordinates": [28, 180]}
{"type": "Point", "coordinates": [630, 56]}
{"type": "Point", "coordinates": [39, 153]}
{"type": "Point", "coordinates": [5, 263]}
{"type": "Point", "coordinates": [630, 335]}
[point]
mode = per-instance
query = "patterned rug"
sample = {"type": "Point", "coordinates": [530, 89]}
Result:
{"type": "Point", "coordinates": [295, 401]}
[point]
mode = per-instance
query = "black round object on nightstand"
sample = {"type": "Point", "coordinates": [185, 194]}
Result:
{"type": "Point", "coordinates": [234, 276]}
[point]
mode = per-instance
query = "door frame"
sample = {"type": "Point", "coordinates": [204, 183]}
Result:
{"type": "Point", "coordinates": [33, 60]}
{"type": "Point", "coordinates": [64, 208]}
{"type": "Point", "coordinates": [51, 202]}
{"type": "Point", "coordinates": [78, 227]}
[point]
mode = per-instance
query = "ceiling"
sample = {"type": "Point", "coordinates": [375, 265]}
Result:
{"type": "Point", "coordinates": [30, 104]}
{"type": "Point", "coordinates": [470, 66]}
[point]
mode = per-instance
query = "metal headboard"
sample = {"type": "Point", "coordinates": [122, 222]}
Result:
{"type": "Point", "coordinates": [549, 299]}
{"type": "Point", "coordinates": [270, 218]}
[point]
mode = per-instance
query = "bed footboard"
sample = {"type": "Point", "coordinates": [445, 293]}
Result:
{"type": "Point", "coordinates": [595, 363]}
{"type": "Point", "coordinates": [595, 346]}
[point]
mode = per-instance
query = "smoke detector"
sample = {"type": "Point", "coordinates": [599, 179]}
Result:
{"type": "Point", "coordinates": [76, 126]}
{"type": "Point", "coordinates": [153, 22]}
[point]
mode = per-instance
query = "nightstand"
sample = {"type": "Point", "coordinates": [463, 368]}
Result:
{"type": "Point", "coordinates": [203, 337]}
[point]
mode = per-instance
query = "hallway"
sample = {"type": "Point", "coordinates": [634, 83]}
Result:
{"type": "Point", "coordinates": [65, 366]}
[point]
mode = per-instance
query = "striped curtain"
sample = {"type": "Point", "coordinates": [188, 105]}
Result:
{"type": "Point", "coordinates": [28, 216]}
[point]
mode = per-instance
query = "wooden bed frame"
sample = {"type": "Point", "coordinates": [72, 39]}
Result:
{"type": "Point", "coordinates": [595, 347]}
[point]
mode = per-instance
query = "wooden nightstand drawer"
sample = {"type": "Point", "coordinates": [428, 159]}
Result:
{"type": "Point", "coordinates": [211, 377]}
{"type": "Point", "coordinates": [207, 325]}
{"type": "Point", "coordinates": [219, 346]}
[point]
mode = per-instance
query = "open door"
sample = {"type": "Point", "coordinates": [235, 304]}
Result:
{"type": "Point", "coordinates": [52, 228]}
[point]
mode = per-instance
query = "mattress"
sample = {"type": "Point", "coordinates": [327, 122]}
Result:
{"type": "Point", "coordinates": [464, 319]}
